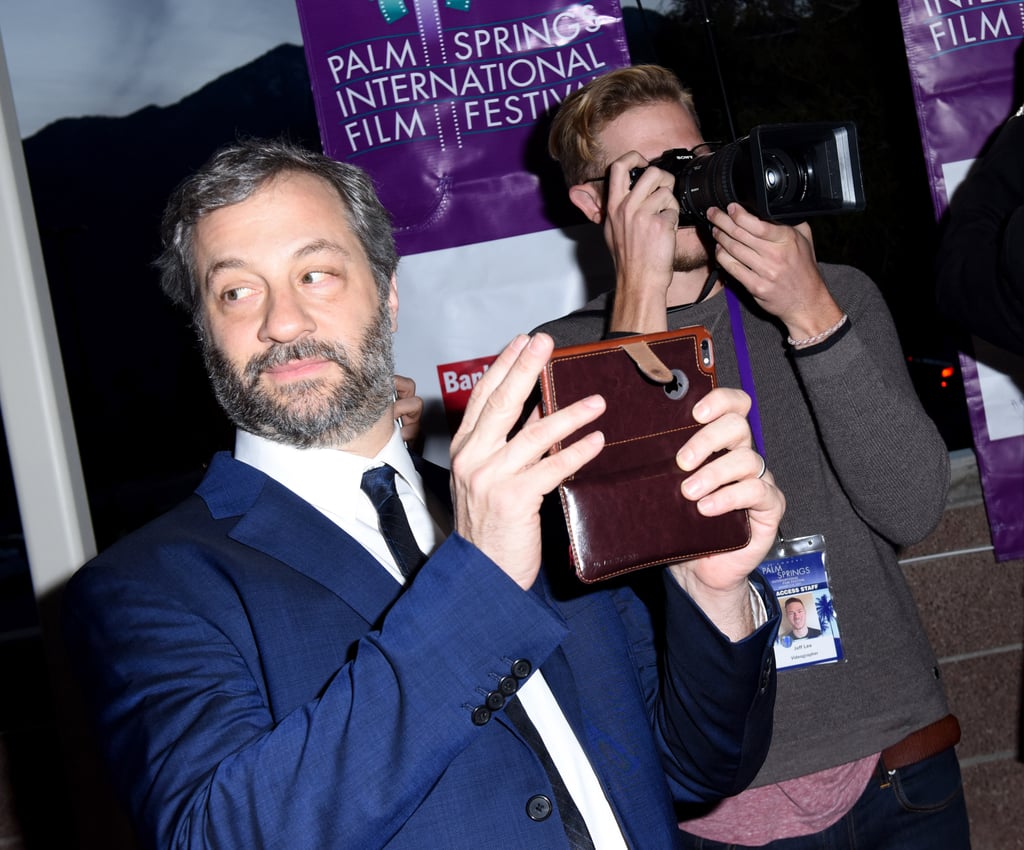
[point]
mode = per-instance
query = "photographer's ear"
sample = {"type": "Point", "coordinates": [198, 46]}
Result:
{"type": "Point", "coordinates": [589, 199]}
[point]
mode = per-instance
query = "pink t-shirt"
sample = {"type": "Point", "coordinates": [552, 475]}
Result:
{"type": "Point", "coordinates": [801, 806]}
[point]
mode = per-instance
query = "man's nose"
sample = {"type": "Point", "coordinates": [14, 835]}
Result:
{"type": "Point", "coordinates": [286, 318]}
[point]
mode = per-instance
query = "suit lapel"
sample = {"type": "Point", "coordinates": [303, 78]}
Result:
{"type": "Point", "coordinates": [289, 529]}
{"type": "Point", "coordinates": [275, 521]}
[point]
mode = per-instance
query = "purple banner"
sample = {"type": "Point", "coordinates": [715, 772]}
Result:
{"type": "Point", "coordinates": [439, 100]}
{"type": "Point", "coordinates": [1001, 467]}
{"type": "Point", "coordinates": [961, 58]}
{"type": "Point", "coordinates": [961, 67]}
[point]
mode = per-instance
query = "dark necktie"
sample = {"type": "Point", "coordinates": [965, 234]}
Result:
{"type": "Point", "coordinates": [575, 828]}
{"type": "Point", "coordinates": [379, 484]}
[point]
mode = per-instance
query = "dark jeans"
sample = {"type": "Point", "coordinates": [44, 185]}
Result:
{"type": "Point", "coordinates": [921, 809]}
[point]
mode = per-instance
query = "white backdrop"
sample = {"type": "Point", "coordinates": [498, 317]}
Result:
{"type": "Point", "coordinates": [463, 303]}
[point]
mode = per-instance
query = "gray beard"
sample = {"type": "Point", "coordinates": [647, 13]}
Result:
{"type": "Point", "coordinates": [314, 413]}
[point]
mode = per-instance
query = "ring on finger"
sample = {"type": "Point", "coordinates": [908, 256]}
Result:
{"type": "Point", "coordinates": [764, 467]}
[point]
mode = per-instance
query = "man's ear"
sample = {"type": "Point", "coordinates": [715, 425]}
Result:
{"type": "Point", "coordinates": [393, 302]}
{"type": "Point", "coordinates": [589, 199]}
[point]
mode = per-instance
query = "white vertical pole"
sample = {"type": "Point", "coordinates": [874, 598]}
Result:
{"type": "Point", "coordinates": [33, 393]}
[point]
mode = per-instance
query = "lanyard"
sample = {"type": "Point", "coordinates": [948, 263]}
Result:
{"type": "Point", "coordinates": [739, 343]}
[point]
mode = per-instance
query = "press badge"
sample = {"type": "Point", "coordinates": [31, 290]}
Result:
{"type": "Point", "coordinates": [809, 631]}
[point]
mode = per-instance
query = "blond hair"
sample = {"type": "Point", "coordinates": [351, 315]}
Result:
{"type": "Point", "coordinates": [572, 139]}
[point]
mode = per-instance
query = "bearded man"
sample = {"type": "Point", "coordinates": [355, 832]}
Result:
{"type": "Point", "coordinates": [333, 643]}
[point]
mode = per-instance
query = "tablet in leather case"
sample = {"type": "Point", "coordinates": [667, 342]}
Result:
{"type": "Point", "coordinates": [625, 509]}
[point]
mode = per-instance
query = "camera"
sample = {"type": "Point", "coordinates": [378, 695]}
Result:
{"type": "Point", "coordinates": [780, 172]}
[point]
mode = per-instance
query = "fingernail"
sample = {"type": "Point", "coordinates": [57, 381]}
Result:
{"type": "Point", "coordinates": [594, 402]}
{"type": "Point", "coordinates": [685, 459]}
{"type": "Point", "coordinates": [692, 487]}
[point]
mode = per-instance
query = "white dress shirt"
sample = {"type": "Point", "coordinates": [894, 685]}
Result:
{"type": "Point", "coordinates": [330, 481]}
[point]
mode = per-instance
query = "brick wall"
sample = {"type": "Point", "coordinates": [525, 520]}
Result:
{"type": "Point", "coordinates": [973, 609]}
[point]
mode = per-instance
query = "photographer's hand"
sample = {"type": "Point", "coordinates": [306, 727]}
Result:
{"type": "Point", "coordinates": [776, 264]}
{"type": "Point", "coordinates": [640, 229]}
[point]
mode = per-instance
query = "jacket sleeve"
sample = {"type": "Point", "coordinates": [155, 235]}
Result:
{"type": "Point", "coordinates": [889, 457]}
{"type": "Point", "coordinates": [184, 716]}
{"type": "Point", "coordinates": [717, 698]}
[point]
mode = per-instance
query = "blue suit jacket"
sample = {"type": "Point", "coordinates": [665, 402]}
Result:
{"type": "Point", "coordinates": [260, 681]}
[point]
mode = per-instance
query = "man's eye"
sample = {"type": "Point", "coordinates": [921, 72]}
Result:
{"type": "Point", "coordinates": [314, 277]}
{"type": "Point", "coordinates": [237, 293]}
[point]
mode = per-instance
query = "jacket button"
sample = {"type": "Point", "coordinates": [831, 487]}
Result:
{"type": "Point", "coordinates": [495, 700]}
{"type": "Point", "coordinates": [521, 668]}
{"type": "Point", "coordinates": [481, 714]}
{"type": "Point", "coordinates": [538, 807]}
{"type": "Point", "coordinates": [508, 685]}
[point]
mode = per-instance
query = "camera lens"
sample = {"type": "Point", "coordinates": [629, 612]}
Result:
{"type": "Point", "coordinates": [713, 179]}
{"type": "Point", "coordinates": [786, 179]}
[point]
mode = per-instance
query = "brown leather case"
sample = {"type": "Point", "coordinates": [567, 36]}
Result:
{"type": "Point", "coordinates": [625, 510]}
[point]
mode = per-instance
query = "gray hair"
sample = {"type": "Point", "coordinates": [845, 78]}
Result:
{"type": "Point", "coordinates": [237, 171]}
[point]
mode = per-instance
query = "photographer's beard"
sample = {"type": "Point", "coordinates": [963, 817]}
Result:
{"type": "Point", "coordinates": [315, 413]}
{"type": "Point", "coordinates": [693, 247]}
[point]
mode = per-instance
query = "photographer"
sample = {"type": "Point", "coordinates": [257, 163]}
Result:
{"type": "Point", "coordinates": [836, 416]}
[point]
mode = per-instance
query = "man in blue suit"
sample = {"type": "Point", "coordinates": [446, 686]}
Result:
{"type": "Point", "coordinates": [268, 668]}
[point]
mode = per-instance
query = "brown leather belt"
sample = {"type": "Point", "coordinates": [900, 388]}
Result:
{"type": "Point", "coordinates": [926, 742]}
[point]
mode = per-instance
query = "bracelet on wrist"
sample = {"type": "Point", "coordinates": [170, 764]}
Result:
{"type": "Point", "coordinates": [814, 340]}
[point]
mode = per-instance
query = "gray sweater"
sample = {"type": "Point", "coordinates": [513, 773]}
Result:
{"type": "Point", "coordinates": [861, 462]}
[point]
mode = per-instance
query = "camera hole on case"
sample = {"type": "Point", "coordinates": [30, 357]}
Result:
{"type": "Point", "coordinates": [679, 386]}
{"type": "Point", "coordinates": [705, 352]}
